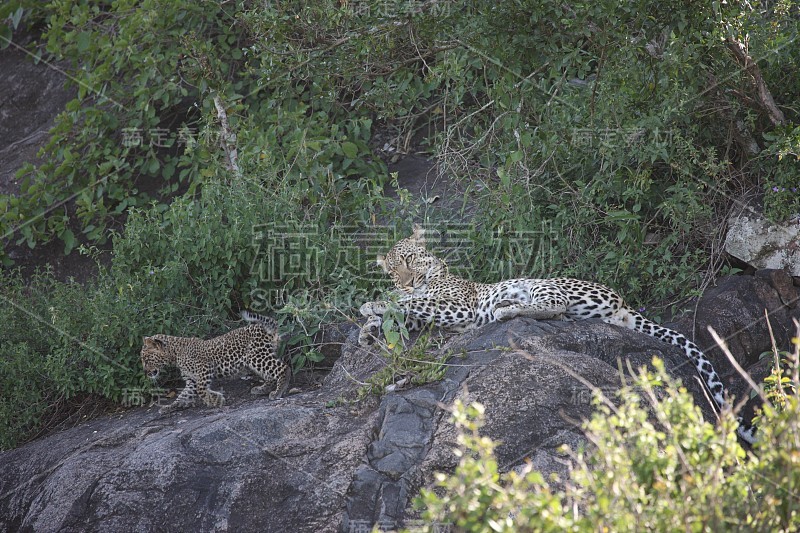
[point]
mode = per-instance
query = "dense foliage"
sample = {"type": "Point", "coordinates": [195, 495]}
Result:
{"type": "Point", "coordinates": [652, 464]}
{"type": "Point", "coordinates": [616, 135]}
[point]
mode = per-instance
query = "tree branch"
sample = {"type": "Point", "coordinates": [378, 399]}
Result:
{"type": "Point", "coordinates": [228, 137]}
{"type": "Point", "coordinates": [739, 51]}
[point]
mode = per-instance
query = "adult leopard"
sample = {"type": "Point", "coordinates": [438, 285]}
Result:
{"type": "Point", "coordinates": [431, 295]}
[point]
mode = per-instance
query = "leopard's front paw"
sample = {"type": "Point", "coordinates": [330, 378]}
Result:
{"type": "Point", "coordinates": [369, 332]}
{"type": "Point", "coordinates": [371, 309]}
{"type": "Point", "coordinates": [213, 398]}
{"type": "Point", "coordinates": [276, 395]}
{"type": "Point", "coordinates": [167, 409]}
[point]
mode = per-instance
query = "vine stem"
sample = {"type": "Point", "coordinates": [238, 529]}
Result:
{"type": "Point", "coordinates": [228, 137]}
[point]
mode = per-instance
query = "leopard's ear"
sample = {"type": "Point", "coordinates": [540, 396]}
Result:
{"type": "Point", "coordinates": [152, 342]}
{"type": "Point", "coordinates": [418, 235]}
{"type": "Point", "coordinates": [381, 262]}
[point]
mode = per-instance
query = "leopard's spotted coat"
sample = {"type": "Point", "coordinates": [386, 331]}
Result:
{"type": "Point", "coordinates": [253, 347]}
{"type": "Point", "coordinates": [434, 296]}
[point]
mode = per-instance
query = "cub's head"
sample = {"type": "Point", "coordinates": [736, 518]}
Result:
{"type": "Point", "coordinates": [154, 356]}
{"type": "Point", "coordinates": [410, 264]}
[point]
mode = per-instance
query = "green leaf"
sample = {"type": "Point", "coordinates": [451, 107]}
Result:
{"type": "Point", "coordinates": [505, 179]}
{"type": "Point", "coordinates": [16, 17]}
{"type": "Point", "coordinates": [621, 214]}
{"type": "Point", "coordinates": [5, 36]}
{"type": "Point", "coordinates": [314, 356]}
{"type": "Point", "coordinates": [168, 171]}
{"type": "Point", "coordinates": [69, 241]}
{"type": "Point", "coordinates": [392, 337]}
{"type": "Point", "coordinates": [350, 149]}
{"type": "Point", "coordinates": [83, 40]}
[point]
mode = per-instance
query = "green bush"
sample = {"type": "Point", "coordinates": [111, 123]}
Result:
{"type": "Point", "coordinates": [47, 355]}
{"type": "Point", "coordinates": [184, 269]}
{"type": "Point", "coordinates": [144, 123]}
{"type": "Point", "coordinates": [653, 464]}
{"type": "Point", "coordinates": [625, 128]}
{"type": "Point", "coordinates": [613, 133]}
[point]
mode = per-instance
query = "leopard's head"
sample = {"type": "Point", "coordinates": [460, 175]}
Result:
{"type": "Point", "coordinates": [154, 356]}
{"type": "Point", "coordinates": [410, 264]}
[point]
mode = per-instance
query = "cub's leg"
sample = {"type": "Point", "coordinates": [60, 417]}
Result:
{"type": "Point", "coordinates": [186, 398]}
{"type": "Point", "coordinates": [210, 397]}
{"type": "Point", "coordinates": [270, 369]}
{"type": "Point", "coordinates": [213, 398]}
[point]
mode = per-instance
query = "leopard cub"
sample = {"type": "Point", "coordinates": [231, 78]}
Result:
{"type": "Point", "coordinates": [253, 347]}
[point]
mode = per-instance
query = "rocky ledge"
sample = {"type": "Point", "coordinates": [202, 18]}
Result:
{"type": "Point", "coordinates": [316, 461]}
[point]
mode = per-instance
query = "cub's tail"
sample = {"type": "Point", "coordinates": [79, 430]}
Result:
{"type": "Point", "coordinates": [268, 323]}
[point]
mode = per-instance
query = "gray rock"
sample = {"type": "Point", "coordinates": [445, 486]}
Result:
{"type": "Point", "coordinates": [298, 464]}
{"type": "Point", "coordinates": [761, 244]}
{"type": "Point", "coordinates": [32, 95]}
{"type": "Point", "coordinates": [201, 470]}
{"type": "Point", "coordinates": [737, 308]}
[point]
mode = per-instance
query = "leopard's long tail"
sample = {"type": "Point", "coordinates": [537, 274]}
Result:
{"type": "Point", "coordinates": [633, 320]}
{"type": "Point", "coordinates": [269, 324]}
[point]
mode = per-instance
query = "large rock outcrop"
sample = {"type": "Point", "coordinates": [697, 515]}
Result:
{"type": "Point", "coordinates": [318, 461]}
{"type": "Point", "coordinates": [754, 240]}
{"type": "Point", "coordinates": [737, 308]}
